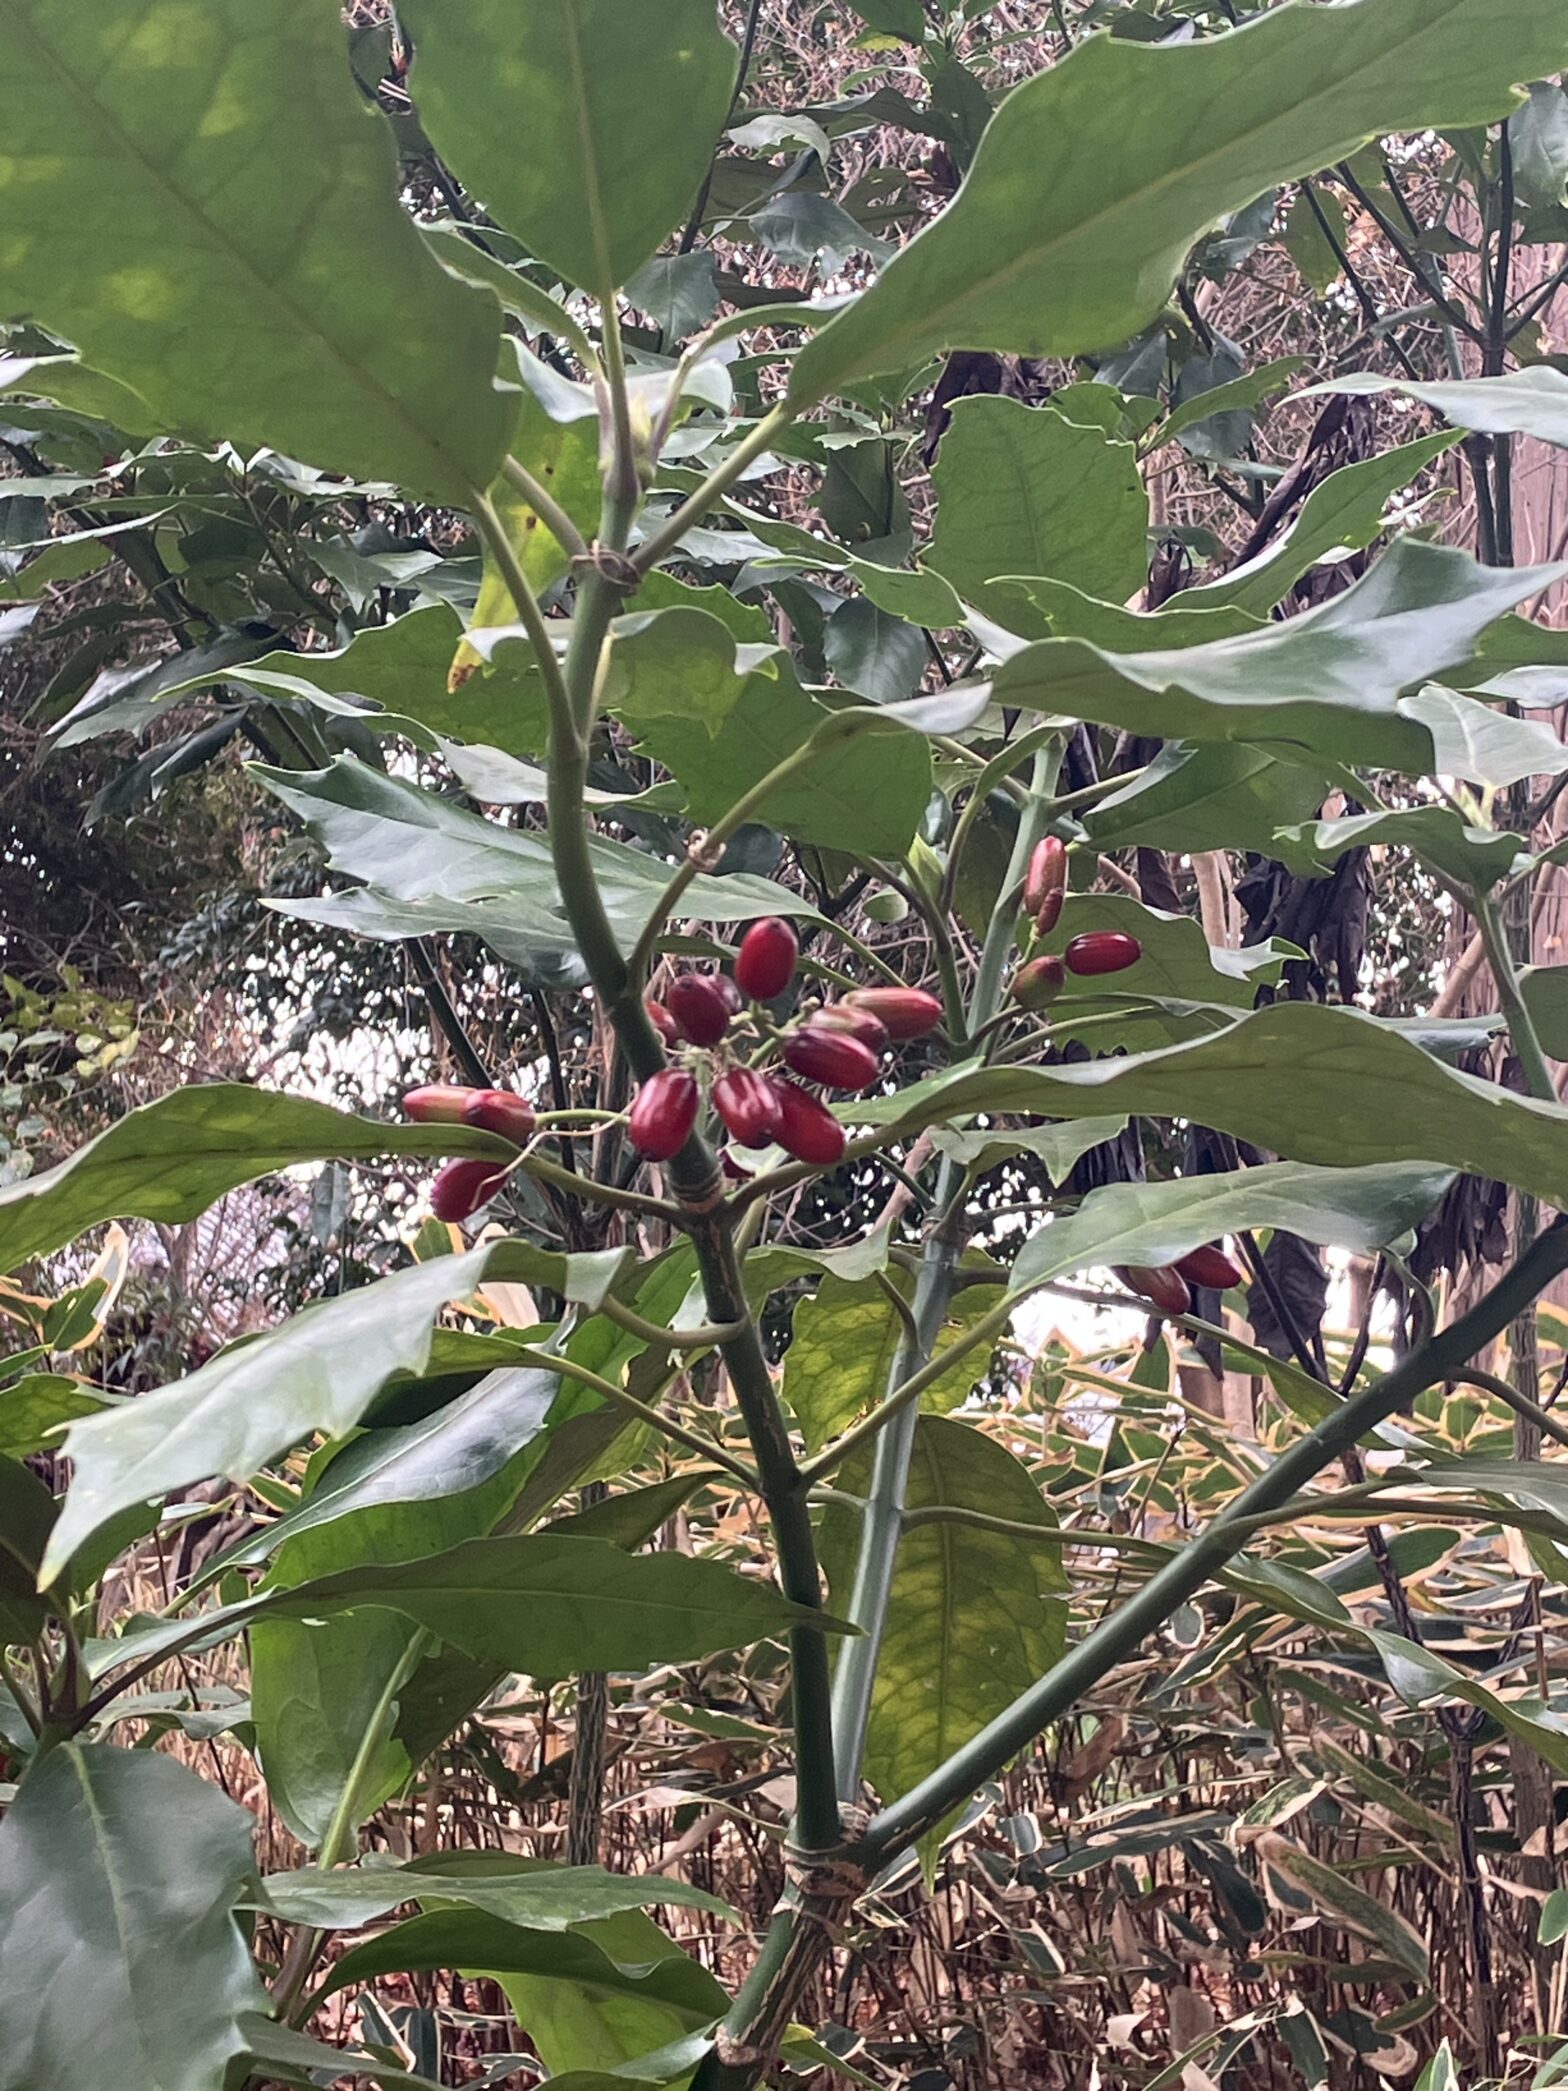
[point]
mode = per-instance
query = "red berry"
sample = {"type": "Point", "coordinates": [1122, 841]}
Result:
{"type": "Point", "coordinates": [807, 1129]}
{"type": "Point", "coordinates": [748, 1106]}
{"type": "Point", "coordinates": [765, 965]}
{"type": "Point", "coordinates": [501, 1111]}
{"type": "Point", "coordinates": [731, 996]}
{"type": "Point", "coordinates": [1047, 875]}
{"type": "Point", "coordinates": [859, 1023]}
{"type": "Point", "coordinates": [663, 1112]}
{"type": "Point", "coordinates": [907, 1012]}
{"type": "Point", "coordinates": [1037, 985]}
{"type": "Point", "coordinates": [662, 1021]}
{"type": "Point", "coordinates": [1102, 951]}
{"type": "Point", "coordinates": [832, 1058]}
{"type": "Point", "coordinates": [1163, 1287]}
{"type": "Point", "coordinates": [699, 1008]}
{"type": "Point", "coordinates": [1210, 1266]}
{"type": "Point", "coordinates": [461, 1187]}
{"type": "Point", "coordinates": [1048, 913]}
{"type": "Point", "coordinates": [438, 1103]}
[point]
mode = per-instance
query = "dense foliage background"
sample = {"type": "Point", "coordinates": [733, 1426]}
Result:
{"type": "Point", "coordinates": [1270, 1847]}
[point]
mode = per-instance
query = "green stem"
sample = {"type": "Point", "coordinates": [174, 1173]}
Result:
{"type": "Point", "coordinates": [1118, 1637]}
{"type": "Point", "coordinates": [1521, 1025]}
{"type": "Point", "coordinates": [545, 507]}
{"type": "Point", "coordinates": [663, 541]}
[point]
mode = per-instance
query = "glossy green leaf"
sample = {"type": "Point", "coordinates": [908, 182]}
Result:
{"type": "Point", "coordinates": [527, 1892]}
{"type": "Point", "coordinates": [1313, 1083]}
{"type": "Point", "coordinates": [1074, 222]}
{"type": "Point", "coordinates": [287, 2057]}
{"type": "Point", "coordinates": [1020, 490]}
{"type": "Point", "coordinates": [36, 1408]}
{"type": "Point", "coordinates": [1346, 509]}
{"type": "Point", "coordinates": [27, 1511]}
{"type": "Point", "coordinates": [171, 1159]}
{"type": "Point", "coordinates": [1470, 856]}
{"type": "Point", "coordinates": [1538, 133]}
{"type": "Point", "coordinates": [317, 1372]}
{"type": "Point", "coordinates": [564, 457]}
{"type": "Point", "coordinates": [1155, 1223]}
{"type": "Point", "coordinates": [1177, 964]}
{"type": "Point", "coordinates": [1329, 679]}
{"type": "Point", "coordinates": [588, 2030]}
{"type": "Point", "coordinates": [1545, 991]}
{"type": "Point", "coordinates": [119, 1870]}
{"type": "Point", "coordinates": [1531, 402]}
{"type": "Point", "coordinates": [1071, 614]}
{"type": "Point", "coordinates": [677, 663]}
{"type": "Point", "coordinates": [1246, 391]}
{"type": "Point", "coordinates": [620, 107]}
{"type": "Point", "coordinates": [1207, 795]}
{"type": "Point", "coordinates": [1057, 1147]}
{"type": "Point", "coordinates": [1470, 739]}
{"type": "Point", "coordinates": [846, 1338]}
{"type": "Point", "coordinates": [974, 1617]}
{"type": "Point", "coordinates": [222, 234]}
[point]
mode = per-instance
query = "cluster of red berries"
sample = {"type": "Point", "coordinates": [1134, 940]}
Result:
{"type": "Point", "coordinates": [837, 1046]}
{"type": "Point", "coordinates": [461, 1187]}
{"type": "Point", "coordinates": [1168, 1286]}
{"type": "Point", "coordinates": [1039, 981]}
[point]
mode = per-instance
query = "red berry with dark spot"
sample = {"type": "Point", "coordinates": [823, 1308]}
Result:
{"type": "Point", "coordinates": [765, 965]}
{"type": "Point", "coordinates": [662, 1021]}
{"type": "Point", "coordinates": [807, 1129]}
{"type": "Point", "coordinates": [748, 1106]}
{"type": "Point", "coordinates": [438, 1103]}
{"type": "Point", "coordinates": [501, 1111]}
{"type": "Point", "coordinates": [461, 1187]}
{"type": "Point", "coordinates": [1210, 1266]}
{"type": "Point", "coordinates": [1163, 1286]}
{"type": "Point", "coordinates": [833, 1058]}
{"type": "Point", "coordinates": [905, 1012]}
{"type": "Point", "coordinates": [663, 1112]}
{"type": "Point", "coordinates": [1037, 985]}
{"type": "Point", "coordinates": [698, 1007]}
{"type": "Point", "coordinates": [1102, 951]}
{"type": "Point", "coordinates": [859, 1023]}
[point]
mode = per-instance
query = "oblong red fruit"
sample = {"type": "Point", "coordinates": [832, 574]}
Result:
{"type": "Point", "coordinates": [663, 1112]}
{"type": "Point", "coordinates": [662, 1021]}
{"type": "Point", "coordinates": [1102, 951]}
{"type": "Point", "coordinates": [833, 1058]}
{"type": "Point", "coordinates": [1163, 1286]}
{"type": "Point", "coordinates": [698, 1007]}
{"type": "Point", "coordinates": [859, 1023]}
{"type": "Point", "coordinates": [748, 1106]}
{"type": "Point", "coordinates": [1048, 913]}
{"type": "Point", "coordinates": [807, 1129]}
{"type": "Point", "coordinates": [765, 964]}
{"type": "Point", "coordinates": [501, 1111]}
{"type": "Point", "coordinates": [1037, 985]}
{"type": "Point", "coordinates": [1047, 874]}
{"type": "Point", "coordinates": [1210, 1266]}
{"type": "Point", "coordinates": [438, 1103]}
{"type": "Point", "coordinates": [729, 994]}
{"type": "Point", "coordinates": [460, 1188]}
{"type": "Point", "coordinates": [906, 1012]}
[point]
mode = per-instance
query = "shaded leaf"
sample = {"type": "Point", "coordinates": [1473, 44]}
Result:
{"type": "Point", "coordinates": [1531, 402]}
{"type": "Point", "coordinates": [845, 1339]}
{"type": "Point", "coordinates": [527, 1892]}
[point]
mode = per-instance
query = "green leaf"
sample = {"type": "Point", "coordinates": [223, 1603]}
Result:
{"type": "Point", "coordinates": [1538, 133]}
{"type": "Point", "coordinates": [1056, 1146]}
{"type": "Point", "coordinates": [1155, 1223]}
{"type": "Point", "coordinates": [27, 1511]}
{"type": "Point", "coordinates": [974, 1617]}
{"type": "Point", "coordinates": [1345, 510]}
{"type": "Point", "coordinates": [878, 656]}
{"type": "Point", "coordinates": [1470, 856]}
{"type": "Point", "coordinates": [294, 2058]}
{"type": "Point", "coordinates": [678, 292]}
{"type": "Point", "coordinates": [119, 1870]}
{"type": "Point", "coordinates": [37, 1407]}
{"type": "Point", "coordinates": [1071, 614]}
{"type": "Point", "coordinates": [1531, 402]}
{"type": "Point", "coordinates": [171, 1159]}
{"type": "Point", "coordinates": [1020, 490]}
{"type": "Point", "coordinates": [620, 109]}
{"type": "Point", "coordinates": [1387, 1930]}
{"type": "Point", "coordinates": [1545, 991]}
{"type": "Point", "coordinates": [224, 237]}
{"type": "Point", "coordinates": [589, 2031]}
{"type": "Point", "coordinates": [564, 457]}
{"type": "Point", "coordinates": [1249, 390]}
{"type": "Point", "coordinates": [1470, 739]}
{"type": "Point", "coordinates": [531, 1893]}
{"type": "Point", "coordinates": [867, 796]}
{"type": "Point", "coordinates": [430, 864]}
{"type": "Point", "coordinates": [1207, 795]}
{"type": "Point", "coordinates": [679, 663]}
{"type": "Point", "coordinates": [317, 1372]}
{"type": "Point", "coordinates": [1074, 223]}
{"type": "Point", "coordinates": [630, 1518]}
{"type": "Point", "coordinates": [845, 1339]}
{"type": "Point", "coordinates": [1316, 1084]}
{"type": "Point", "coordinates": [1306, 241]}
{"type": "Point", "coordinates": [1329, 679]}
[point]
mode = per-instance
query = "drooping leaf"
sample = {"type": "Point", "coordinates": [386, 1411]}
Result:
{"type": "Point", "coordinates": [1155, 1223]}
{"type": "Point", "coordinates": [620, 108]}
{"type": "Point", "coordinates": [1470, 855]}
{"type": "Point", "coordinates": [1538, 133]}
{"type": "Point", "coordinates": [974, 1616]}
{"type": "Point", "coordinates": [119, 1872]}
{"type": "Point", "coordinates": [1207, 795]}
{"type": "Point", "coordinates": [532, 1893]}
{"type": "Point", "coordinates": [1194, 408]}
{"type": "Point", "coordinates": [171, 1159]}
{"type": "Point", "coordinates": [1073, 224]}
{"type": "Point", "coordinates": [1329, 679]}
{"type": "Point", "coordinates": [846, 1337]}
{"type": "Point", "coordinates": [1071, 614]}
{"type": "Point", "coordinates": [1056, 1146]}
{"type": "Point", "coordinates": [223, 235]}
{"type": "Point", "coordinates": [1471, 739]}
{"type": "Point", "coordinates": [1313, 1083]}
{"type": "Point", "coordinates": [1531, 402]}
{"type": "Point", "coordinates": [1021, 490]}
